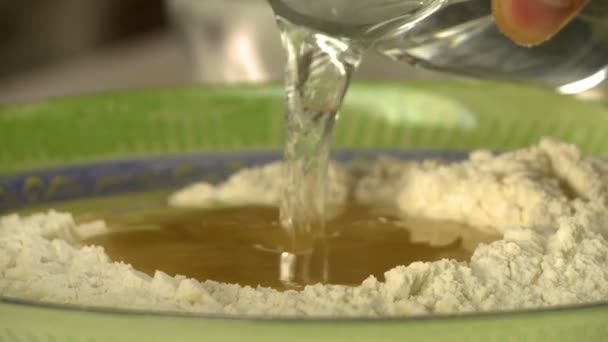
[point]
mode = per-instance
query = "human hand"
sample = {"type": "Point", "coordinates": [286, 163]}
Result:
{"type": "Point", "coordinates": [532, 22]}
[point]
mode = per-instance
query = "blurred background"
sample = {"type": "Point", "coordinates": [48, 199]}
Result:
{"type": "Point", "coordinates": [65, 47]}
{"type": "Point", "coordinates": [59, 47]}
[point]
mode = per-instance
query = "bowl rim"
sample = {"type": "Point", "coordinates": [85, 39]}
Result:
{"type": "Point", "coordinates": [452, 317]}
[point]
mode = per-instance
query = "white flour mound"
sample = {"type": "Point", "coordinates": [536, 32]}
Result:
{"type": "Point", "coordinates": [548, 202]}
{"type": "Point", "coordinates": [256, 186]}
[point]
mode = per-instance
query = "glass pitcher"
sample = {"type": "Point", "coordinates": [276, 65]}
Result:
{"type": "Point", "coordinates": [460, 36]}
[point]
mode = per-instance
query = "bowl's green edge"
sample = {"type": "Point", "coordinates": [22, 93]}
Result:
{"type": "Point", "coordinates": [430, 115]}
{"type": "Point", "coordinates": [25, 323]}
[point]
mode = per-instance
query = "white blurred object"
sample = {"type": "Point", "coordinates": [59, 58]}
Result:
{"type": "Point", "coordinates": [237, 41]}
{"type": "Point", "coordinates": [228, 41]}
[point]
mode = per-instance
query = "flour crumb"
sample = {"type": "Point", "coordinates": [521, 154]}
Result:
{"type": "Point", "coordinates": [90, 230]}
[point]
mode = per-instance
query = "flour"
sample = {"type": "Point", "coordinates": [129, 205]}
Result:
{"type": "Point", "coordinates": [535, 187]}
{"type": "Point", "coordinates": [548, 202]}
{"type": "Point", "coordinates": [257, 186]}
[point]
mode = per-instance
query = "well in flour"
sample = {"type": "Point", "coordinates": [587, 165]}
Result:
{"type": "Point", "coordinates": [548, 202]}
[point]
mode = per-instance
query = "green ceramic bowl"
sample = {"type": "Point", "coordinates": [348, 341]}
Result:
{"type": "Point", "coordinates": [448, 116]}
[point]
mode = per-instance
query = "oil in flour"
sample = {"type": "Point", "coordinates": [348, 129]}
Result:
{"type": "Point", "coordinates": [324, 43]}
{"type": "Point", "coordinates": [238, 245]}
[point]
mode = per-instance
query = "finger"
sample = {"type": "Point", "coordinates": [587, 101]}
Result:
{"type": "Point", "coordinates": [531, 22]}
